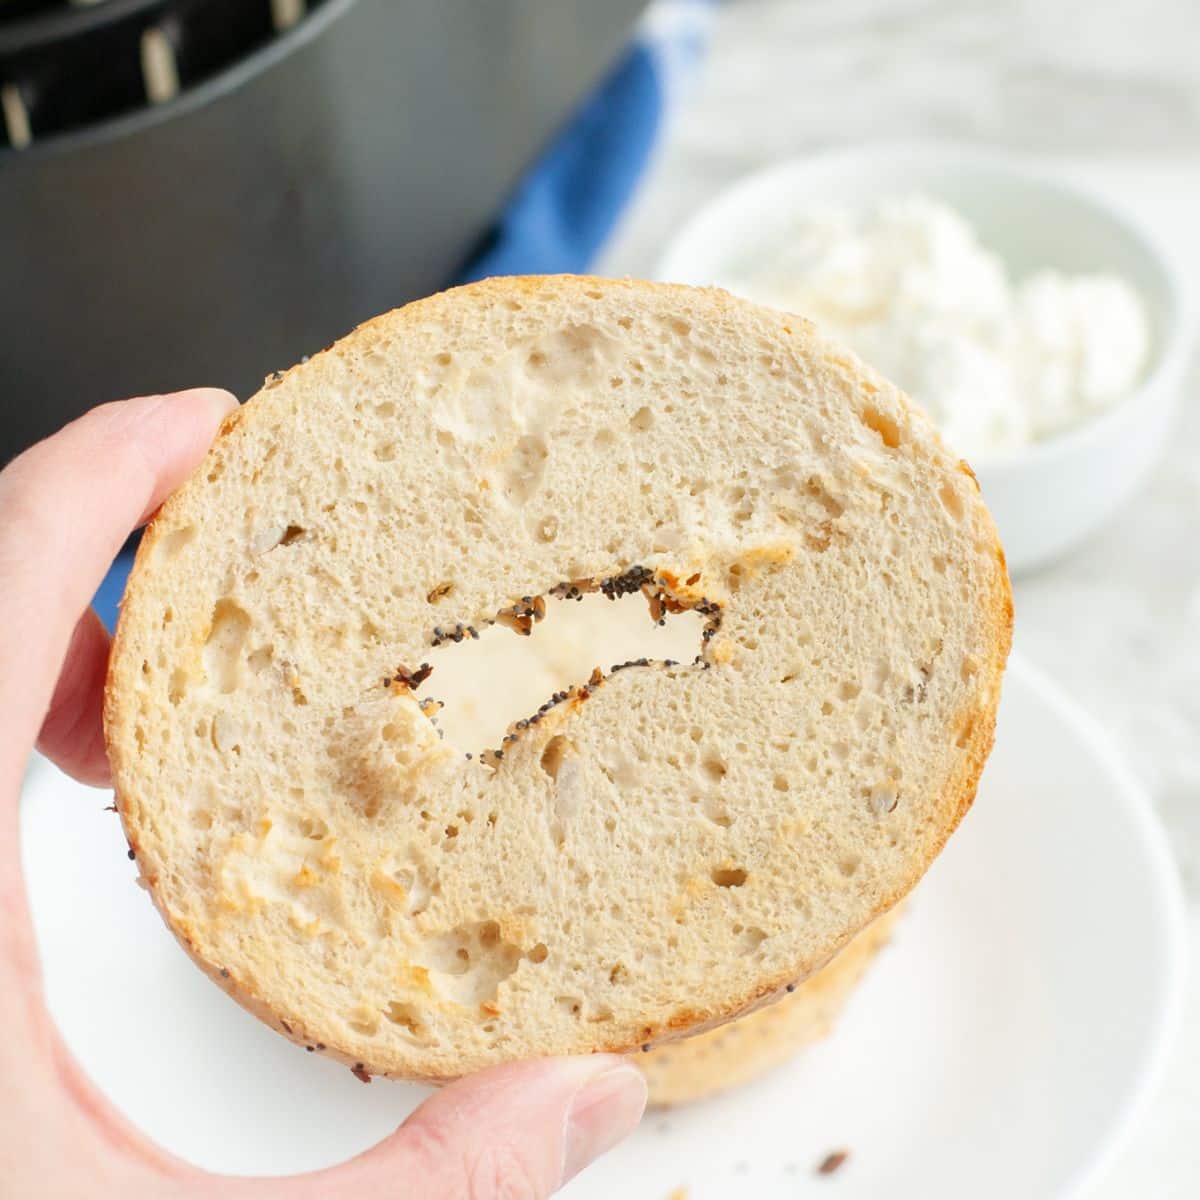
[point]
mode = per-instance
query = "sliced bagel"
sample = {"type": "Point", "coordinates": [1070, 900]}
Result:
{"type": "Point", "coordinates": [738, 1052]}
{"type": "Point", "coordinates": [659, 849]}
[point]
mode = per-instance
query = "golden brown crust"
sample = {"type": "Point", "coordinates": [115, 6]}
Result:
{"type": "Point", "coordinates": [738, 1052]}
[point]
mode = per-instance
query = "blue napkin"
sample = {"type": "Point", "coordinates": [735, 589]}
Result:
{"type": "Point", "coordinates": [110, 591]}
{"type": "Point", "coordinates": [560, 214]}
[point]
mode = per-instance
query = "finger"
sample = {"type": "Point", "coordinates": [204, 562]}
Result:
{"type": "Point", "coordinates": [519, 1130]}
{"type": "Point", "coordinates": [72, 733]}
{"type": "Point", "coordinates": [66, 506]}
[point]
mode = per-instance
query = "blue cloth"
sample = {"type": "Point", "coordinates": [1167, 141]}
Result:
{"type": "Point", "coordinates": [560, 214]}
{"type": "Point", "coordinates": [108, 595]}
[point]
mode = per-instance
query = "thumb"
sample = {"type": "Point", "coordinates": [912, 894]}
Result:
{"type": "Point", "coordinates": [516, 1131]}
{"type": "Point", "coordinates": [66, 505]}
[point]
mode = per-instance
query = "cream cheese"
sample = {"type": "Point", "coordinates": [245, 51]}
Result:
{"type": "Point", "coordinates": [997, 364]}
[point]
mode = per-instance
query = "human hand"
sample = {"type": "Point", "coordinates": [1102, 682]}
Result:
{"type": "Point", "coordinates": [66, 506]}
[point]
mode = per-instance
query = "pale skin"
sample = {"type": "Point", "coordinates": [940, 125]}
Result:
{"type": "Point", "coordinates": [66, 506]}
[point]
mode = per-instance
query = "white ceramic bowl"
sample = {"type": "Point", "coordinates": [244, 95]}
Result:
{"type": "Point", "coordinates": [1049, 496]}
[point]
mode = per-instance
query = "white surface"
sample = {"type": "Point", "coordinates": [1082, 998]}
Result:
{"type": "Point", "coordinates": [996, 1050]}
{"type": "Point", "coordinates": [1048, 497]}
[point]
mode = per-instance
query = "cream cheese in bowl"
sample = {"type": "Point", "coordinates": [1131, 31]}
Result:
{"type": "Point", "coordinates": [1045, 329]}
{"type": "Point", "coordinates": [998, 363]}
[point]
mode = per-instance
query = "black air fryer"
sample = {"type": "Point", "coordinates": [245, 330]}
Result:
{"type": "Point", "coordinates": [201, 191]}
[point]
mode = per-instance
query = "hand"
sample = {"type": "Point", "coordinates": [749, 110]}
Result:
{"type": "Point", "coordinates": [66, 506]}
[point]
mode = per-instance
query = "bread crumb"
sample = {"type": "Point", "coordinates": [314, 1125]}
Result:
{"type": "Point", "coordinates": [833, 1162]}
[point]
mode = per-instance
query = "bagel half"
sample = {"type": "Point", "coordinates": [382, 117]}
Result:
{"type": "Point", "coordinates": [659, 849]}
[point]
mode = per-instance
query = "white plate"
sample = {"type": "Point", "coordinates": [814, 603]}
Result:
{"type": "Point", "coordinates": [999, 1048]}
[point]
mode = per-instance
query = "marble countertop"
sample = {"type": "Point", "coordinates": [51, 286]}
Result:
{"type": "Point", "coordinates": [1118, 622]}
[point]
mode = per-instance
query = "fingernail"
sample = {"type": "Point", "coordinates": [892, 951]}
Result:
{"type": "Point", "coordinates": [144, 414]}
{"type": "Point", "coordinates": [604, 1111]}
{"type": "Point", "coordinates": [218, 399]}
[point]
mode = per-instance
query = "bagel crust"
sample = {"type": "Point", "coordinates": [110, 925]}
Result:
{"type": "Point", "coordinates": [738, 1052]}
{"type": "Point", "coordinates": [657, 849]}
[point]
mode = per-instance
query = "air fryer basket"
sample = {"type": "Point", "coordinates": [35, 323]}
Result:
{"type": "Point", "coordinates": [201, 191]}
